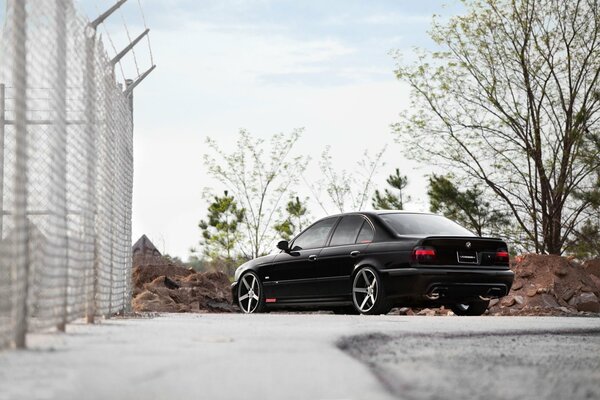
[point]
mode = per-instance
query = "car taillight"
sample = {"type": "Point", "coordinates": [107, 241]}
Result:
{"type": "Point", "coordinates": [502, 256]}
{"type": "Point", "coordinates": [423, 254]}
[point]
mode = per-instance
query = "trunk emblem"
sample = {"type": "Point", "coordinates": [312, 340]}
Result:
{"type": "Point", "coordinates": [468, 244]}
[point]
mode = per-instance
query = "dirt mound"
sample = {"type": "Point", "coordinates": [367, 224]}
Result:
{"type": "Point", "coordinates": [549, 285]}
{"type": "Point", "coordinates": [159, 285]}
{"type": "Point", "coordinates": [192, 292]}
{"type": "Point", "coordinates": [143, 274]}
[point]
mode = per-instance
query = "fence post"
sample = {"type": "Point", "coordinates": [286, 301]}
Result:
{"type": "Point", "coordinates": [91, 210]}
{"type": "Point", "coordinates": [21, 236]}
{"type": "Point", "coordinates": [2, 125]}
{"type": "Point", "coordinates": [60, 130]}
{"type": "Point", "coordinates": [109, 163]}
{"type": "Point", "coordinates": [129, 181]}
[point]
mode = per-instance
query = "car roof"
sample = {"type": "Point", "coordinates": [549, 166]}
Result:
{"type": "Point", "coordinates": [378, 212]}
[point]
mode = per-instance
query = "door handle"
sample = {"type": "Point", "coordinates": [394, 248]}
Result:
{"type": "Point", "coordinates": [312, 257]}
{"type": "Point", "coordinates": [354, 253]}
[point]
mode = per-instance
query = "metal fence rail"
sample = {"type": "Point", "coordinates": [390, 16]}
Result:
{"type": "Point", "coordinates": [66, 172]}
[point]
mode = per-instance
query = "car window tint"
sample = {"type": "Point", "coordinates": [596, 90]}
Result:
{"type": "Point", "coordinates": [315, 236]}
{"type": "Point", "coordinates": [366, 233]}
{"type": "Point", "coordinates": [424, 224]}
{"type": "Point", "coordinates": [347, 230]}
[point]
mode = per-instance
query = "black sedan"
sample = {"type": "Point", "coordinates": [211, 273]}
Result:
{"type": "Point", "coordinates": [369, 262]}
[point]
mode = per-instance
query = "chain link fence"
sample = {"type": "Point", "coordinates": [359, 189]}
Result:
{"type": "Point", "coordinates": [66, 172]}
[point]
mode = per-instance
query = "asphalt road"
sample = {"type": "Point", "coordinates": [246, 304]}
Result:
{"type": "Point", "coordinates": [309, 356]}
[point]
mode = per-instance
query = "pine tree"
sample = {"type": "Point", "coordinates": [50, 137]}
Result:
{"type": "Point", "coordinates": [388, 200]}
{"type": "Point", "coordinates": [220, 231]}
{"type": "Point", "coordinates": [295, 220]}
{"type": "Point", "coordinates": [469, 208]}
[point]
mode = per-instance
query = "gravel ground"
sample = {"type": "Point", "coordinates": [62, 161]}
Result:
{"type": "Point", "coordinates": [484, 366]}
{"type": "Point", "coordinates": [296, 356]}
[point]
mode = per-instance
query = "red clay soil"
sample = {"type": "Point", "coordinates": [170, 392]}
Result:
{"type": "Point", "coordinates": [549, 285]}
{"type": "Point", "coordinates": [170, 288]}
{"type": "Point", "coordinates": [592, 267]}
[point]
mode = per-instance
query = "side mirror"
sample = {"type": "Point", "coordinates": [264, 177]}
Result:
{"type": "Point", "coordinates": [283, 245]}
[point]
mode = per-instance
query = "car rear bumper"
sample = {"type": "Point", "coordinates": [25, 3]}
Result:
{"type": "Point", "coordinates": [447, 283]}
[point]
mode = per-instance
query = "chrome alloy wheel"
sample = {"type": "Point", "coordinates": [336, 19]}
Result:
{"type": "Point", "coordinates": [249, 293]}
{"type": "Point", "coordinates": [365, 290]}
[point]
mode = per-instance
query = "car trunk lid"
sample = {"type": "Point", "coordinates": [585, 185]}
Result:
{"type": "Point", "coordinates": [466, 252]}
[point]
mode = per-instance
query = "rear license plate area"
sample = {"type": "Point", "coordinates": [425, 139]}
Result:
{"type": "Point", "coordinates": [467, 257]}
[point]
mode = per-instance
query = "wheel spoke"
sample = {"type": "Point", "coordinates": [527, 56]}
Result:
{"type": "Point", "coordinates": [245, 283]}
{"type": "Point", "coordinates": [364, 274]}
{"type": "Point", "coordinates": [360, 290]}
{"type": "Point", "coordinates": [362, 306]}
{"type": "Point", "coordinates": [249, 304]}
{"type": "Point", "coordinates": [372, 297]}
{"type": "Point", "coordinates": [253, 281]}
{"type": "Point", "coordinates": [244, 297]}
{"type": "Point", "coordinates": [255, 297]}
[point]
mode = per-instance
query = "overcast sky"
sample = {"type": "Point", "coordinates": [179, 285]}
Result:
{"type": "Point", "coordinates": [267, 66]}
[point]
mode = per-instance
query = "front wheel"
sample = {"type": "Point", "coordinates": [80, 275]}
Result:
{"type": "Point", "coordinates": [367, 292]}
{"type": "Point", "coordinates": [250, 294]}
{"type": "Point", "coordinates": [475, 307]}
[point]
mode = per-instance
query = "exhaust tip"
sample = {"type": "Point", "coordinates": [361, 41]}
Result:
{"type": "Point", "coordinates": [436, 293]}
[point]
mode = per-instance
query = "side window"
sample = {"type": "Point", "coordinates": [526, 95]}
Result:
{"type": "Point", "coordinates": [347, 230]}
{"type": "Point", "coordinates": [366, 234]}
{"type": "Point", "coordinates": [315, 236]}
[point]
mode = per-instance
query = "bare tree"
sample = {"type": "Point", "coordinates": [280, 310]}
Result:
{"type": "Point", "coordinates": [259, 177]}
{"type": "Point", "coordinates": [347, 190]}
{"type": "Point", "coordinates": [513, 101]}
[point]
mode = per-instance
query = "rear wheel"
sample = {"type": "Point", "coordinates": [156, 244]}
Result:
{"type": "Point", "coordinates": [367, 292]}
{"type": "Point", "coordinates": [475, 307]}
{"type": "Point", "coordinates": [250, 294]}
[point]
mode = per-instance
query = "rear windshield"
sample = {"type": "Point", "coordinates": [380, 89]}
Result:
{"type": "Point", "coordinates": [424, 224]}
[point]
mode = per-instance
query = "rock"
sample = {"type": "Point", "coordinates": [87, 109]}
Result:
{"type": "Point", "coordinates": [542, 290]}
{"type": "Point", "coordinates": [517, 285]}
{"type": "Point", "coordinates": [587, 289]}
{"type": "Point", "coordinates": [549, 301]}
{"type": "Point", "coordinates": [493, 302]}
{"type": "Point", "coordinates": [443, 311]}
{"type": "Point", "coordinates": [519, 300]}
{"type": "Point", "coordinates": [586, 297]}
{"type": "Point", "coordinates": [567, 294]}
{"type": "Point", "coordinates": [596, 280]}
{"type": "Point", "coordinates": [587, 302]}
{"type": "Point", "coordinates": [531, 292]}
{"type": "Point", "coordinates": [508, 301]}
{"type": "Point", "coordinates": [427, 311]}
{"type": "Point", "coordinates": [590, 307]}
{"type": "Point", "coordinates": [403, 311]}
{"type": "Point", "coordinates": [563, 303]}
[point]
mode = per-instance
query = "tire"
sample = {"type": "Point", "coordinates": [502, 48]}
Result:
{"type": "Point", "coordinates": [368, 295]}
{"type": "Point", "coordinates": [475, 307]}
{"type": "Point", "coordinates": [251, 297]}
